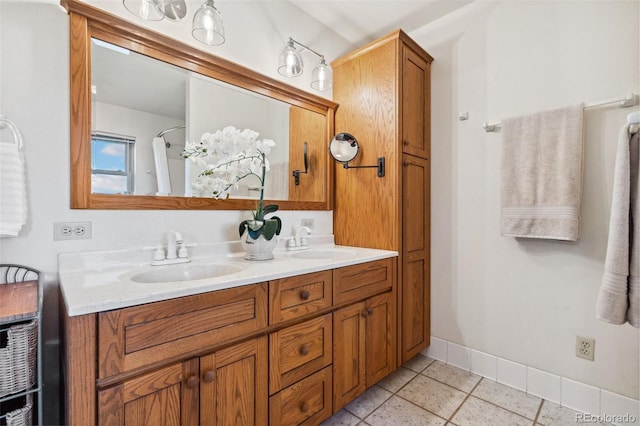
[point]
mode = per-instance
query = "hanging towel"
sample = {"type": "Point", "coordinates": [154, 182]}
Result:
{"type": "Point", "coordinates": [541, 188]}
{"type": "Point", "coordinates": [13, 191]}
{"type": "Point", "coordinates": [619, 296]}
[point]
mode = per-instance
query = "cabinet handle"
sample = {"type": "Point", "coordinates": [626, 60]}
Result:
{"type": "Point", "coordinates": [304, 350]}
{"type": "Point", "coordinates": [370, 311]}
{"type": "Point", "coordinates": [405, 142]}
{"type": "Point", "coordinates": [367, 312]}
{"type": "Point", "coordinates": [304, 407]}
{"type": "Point", "coordinates": [192, 382]}
{"type": "Point", "coordinates": [304, 295]}
{"type": "Point", "coordinates": [405, 163]}
{"type": "Point", "coordinates": [209, 376]}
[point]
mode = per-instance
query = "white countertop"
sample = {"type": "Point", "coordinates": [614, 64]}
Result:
{"type": "Point", "coordinates": [101, 280]}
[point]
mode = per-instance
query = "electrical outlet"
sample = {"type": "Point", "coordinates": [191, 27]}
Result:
{"type": "Point", "coordinates": [585, 347]}
{"type": "Point", "coordinates": [71, 231]}
{"type": "Point", "coordinates": [307, 222]}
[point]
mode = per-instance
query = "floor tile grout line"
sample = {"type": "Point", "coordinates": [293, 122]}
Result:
{"type": "Point", "coordinates": [450, 419]}
{"type": "Point", "coordinates": [420, 407]}
{"type": "Point", "coordinates": [535, 420]}
{"type": "Point", "coordinates": [374, 409]}
{"type": "Point", "coordinates": [505, 408]}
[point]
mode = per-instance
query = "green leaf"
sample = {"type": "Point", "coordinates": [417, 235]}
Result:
{"type": "Point", "coordinates": [277, 219]}
{"type": "Point", "coordinates": [270, 228]}
{"type": "Point", "coordinates": [270, 208]}
{"type": "Point", "coordinates": [243, 227]}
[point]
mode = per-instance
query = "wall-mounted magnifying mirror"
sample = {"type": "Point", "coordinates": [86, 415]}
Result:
{"type": "Point", "coordinates": [344, 148]}
{"type": "Point", "coordinates": [305, 159]}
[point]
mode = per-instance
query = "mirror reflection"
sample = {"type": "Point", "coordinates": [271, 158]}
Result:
{"type": "Point", "coordinates": [143, 111]}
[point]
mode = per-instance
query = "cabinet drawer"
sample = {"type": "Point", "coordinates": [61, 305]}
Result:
{"type": "Point", "coordinates": [295, 297]}
{"type": "Point", "coordinates": [358, 282]}
{"type": "Point", "coordinates": [308, 402]}
{"type": "Point", "coordinates": [298, 351]}
{"type": "Point", "coordinates": [142, 335]}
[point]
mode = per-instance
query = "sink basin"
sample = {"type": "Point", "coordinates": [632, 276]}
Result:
{"type": "Point", "coordinates": [328, 253]}
{"type": "Point", "coordinates": [188, 272]}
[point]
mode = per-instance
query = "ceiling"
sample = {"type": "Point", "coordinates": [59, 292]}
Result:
{"type": "Point", "coordinates": [361, 21]}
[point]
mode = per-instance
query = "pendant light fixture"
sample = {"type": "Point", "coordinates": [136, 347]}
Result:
{"type": "Point", "coordinates": [151, 10]}
{"type": "Point", "coordinates": [207, 26]}
{"type": "Point", "coordinates": [290, 65]}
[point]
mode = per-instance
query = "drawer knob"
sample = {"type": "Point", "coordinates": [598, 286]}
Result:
{"type": "Point", "coordinates": [304, 295]}
{"type": "Point", "coordinates": [304, 350]}
{"type": "Point", "coordinates": [367, 312]}
{"type": "Point", "coordinates": [209, 376]}
{"type": "Point", "coordinates": [304, 407]}
{"type": "Point", "coordinates": [192, 382]}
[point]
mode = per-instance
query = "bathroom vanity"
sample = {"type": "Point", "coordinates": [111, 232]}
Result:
{"type": "Point", "coordinates": [288, 341]}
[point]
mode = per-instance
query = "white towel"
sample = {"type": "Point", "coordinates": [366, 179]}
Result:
{"type": "Point", "coordinates": [619, 296]}
{"type": "Point", "coordinates": [541, 188]}
{"type": "Point", "coordinates": [13, 191]}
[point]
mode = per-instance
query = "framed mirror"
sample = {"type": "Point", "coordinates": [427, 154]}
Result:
{"type": "Point", "coordinates": [137, 96]}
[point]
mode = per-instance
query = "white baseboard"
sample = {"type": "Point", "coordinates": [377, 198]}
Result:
{"type": "Point", "coordinates": [611, 407]}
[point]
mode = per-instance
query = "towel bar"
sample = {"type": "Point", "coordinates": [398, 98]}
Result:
{"type": "Point", "coordinates": [629, 100]}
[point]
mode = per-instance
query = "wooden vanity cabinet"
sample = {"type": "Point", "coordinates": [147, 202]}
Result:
{"type": "Point", "coordinates": [383, 90]}
{"type": "Point", "coordinates": [213, 358]}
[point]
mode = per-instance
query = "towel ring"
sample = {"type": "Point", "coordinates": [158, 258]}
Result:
{"type": "Point", "coordinates": [17, 138]}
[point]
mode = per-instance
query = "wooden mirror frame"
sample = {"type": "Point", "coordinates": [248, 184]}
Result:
{"type": "Point", "coordinates": [86, 22]}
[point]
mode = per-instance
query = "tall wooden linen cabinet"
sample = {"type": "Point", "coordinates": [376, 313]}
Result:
{"type": "Point", "coordinates": [383, 92]}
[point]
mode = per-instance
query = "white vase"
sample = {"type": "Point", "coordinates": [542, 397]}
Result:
{"type": "Point", "coordinates": [260, 249]}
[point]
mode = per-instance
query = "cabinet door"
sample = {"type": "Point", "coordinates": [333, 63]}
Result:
{"type": "Point", "coordinates": [415, 104]}
{"type": "Point", "coordinates": [164, 397]}
{"type": "Point", "coordinates": [348, 354]}
{"type": "Point", "coordinates": [233, 389]}
{"type": "Point", "coordinates": [380, 337]}
{"type": "Point", "coordinates": [415, 281]}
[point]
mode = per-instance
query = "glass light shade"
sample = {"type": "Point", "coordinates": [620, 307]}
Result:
{"type": "Point", "coordinates": [207, 25]}
{"type": "Point", "coordinates": [322, 77]}
{"type": "Point", "coordinates": [151, 10]}
{"type": "Point", "coordinates": [290, 62]}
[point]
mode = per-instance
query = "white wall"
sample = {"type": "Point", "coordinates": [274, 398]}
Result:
{"type": "Point", "coordinates": [526, 300]}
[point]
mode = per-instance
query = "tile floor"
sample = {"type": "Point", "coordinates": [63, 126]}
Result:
{"type": "Point", "coordinates": [428, 392]}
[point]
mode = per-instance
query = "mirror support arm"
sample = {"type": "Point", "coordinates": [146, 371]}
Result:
{"type": "Point", "coordinates": [296, 176]}
{"type": "Point", "coordinates": [379, 166]}
{"type": "Point", "coordinates": [305, 159]}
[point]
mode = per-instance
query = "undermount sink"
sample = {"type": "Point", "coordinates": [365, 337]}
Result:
{"type": "Point", "coordinates": [323, 253]}
{"type": "Point", "coordinates": [188, 272]}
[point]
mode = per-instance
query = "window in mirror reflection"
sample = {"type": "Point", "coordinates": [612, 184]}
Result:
{"type": "Point", "coordinates": [112, 159]}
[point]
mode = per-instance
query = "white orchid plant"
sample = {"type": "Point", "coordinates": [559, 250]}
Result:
{"type": "Point", "coordinates": [228, 156]}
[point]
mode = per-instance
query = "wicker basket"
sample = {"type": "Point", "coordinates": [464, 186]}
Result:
{"type": "Point", "coordinates": [21, 417]}
{"type": "Point", "coordinates": [18, 358]}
